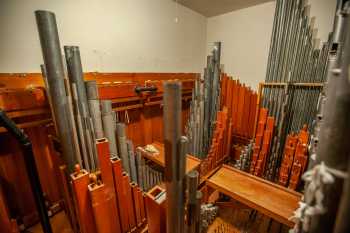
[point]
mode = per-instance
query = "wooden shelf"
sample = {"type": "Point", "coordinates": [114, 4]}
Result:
{"type": "Point", "coordinates": [192, 162]}
{"type": "Point", "coordinates": [270, 199]}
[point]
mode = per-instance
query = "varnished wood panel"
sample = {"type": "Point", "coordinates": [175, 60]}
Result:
{"type": "Point", "coordinates": [270, 199]}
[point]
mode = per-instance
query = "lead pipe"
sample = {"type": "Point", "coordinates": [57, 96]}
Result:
{"type": "Point", "coordinates": [51, 50]}
{"type": "Point", "coordinates": [333, 149]}
{"type": "Point", "coordinates": [122, 146]}
{"type": "Point", "coordinates": [109, 126]}
{"type": "Point", "coordinates": [174, 160]}
{"type": "Point", "coordinates": [132, 162]}
{"type": "Point", "coordinates": [81, 130]}
{"type": "Point", "coordinates": [94, 107]}
{"type": "Point", "coordinates": [192, 185]}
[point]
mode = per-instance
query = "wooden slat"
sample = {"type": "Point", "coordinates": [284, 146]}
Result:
{"type": "Point", "coordinates": [270, 199]}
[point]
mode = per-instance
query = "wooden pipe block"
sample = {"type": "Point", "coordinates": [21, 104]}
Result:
{"type": "Point", "coordinates": [155, 208]}
{"type": "Point", "coordinates": [130, 205]}
{"type": "Point", "coordinates": [103, 153]}
{"type": "Point", "coordinates": [101, 202]}
{"type": "Point", "coordinates": [136, 202]}
{"type": "Point", "coordinates": [121, 193]}
{"type": "Point", "coordinates": [80, 181]}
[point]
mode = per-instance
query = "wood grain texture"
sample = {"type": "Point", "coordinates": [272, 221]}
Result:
{"type": "Point", "coordinates": [270, 199]}
{"type": "Point", "coordinates": [192, 162]}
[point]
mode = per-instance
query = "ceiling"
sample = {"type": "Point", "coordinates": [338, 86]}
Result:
{"type": "Point", "coordinates": [211, 8]}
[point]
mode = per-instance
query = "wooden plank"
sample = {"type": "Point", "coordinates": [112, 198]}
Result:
{"type": "Point", "coordinates": [28, 124]}
{"type": "Point", "coordinates": [191, 161]}
{"type": "Point", "coordinates": [270, 199]}
{"type": "Point", "coordinates": [20, 98]}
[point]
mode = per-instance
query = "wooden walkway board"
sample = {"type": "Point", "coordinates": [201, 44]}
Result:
{"type": "Point", "coordinates": [270, 199]}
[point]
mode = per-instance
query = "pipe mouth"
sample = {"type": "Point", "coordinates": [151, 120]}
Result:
{"type": "Point", "coordinates": [44, 12]}
{"type": "Point", "coordinates": [101, 140]}
{"type": "Point", "coordinates": [115, 159]}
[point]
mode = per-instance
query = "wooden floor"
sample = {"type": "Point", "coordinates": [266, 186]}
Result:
{"type": "Point", "coordinates": [244, 221]}
{"type": "Point", "coordinates": [59, 224]}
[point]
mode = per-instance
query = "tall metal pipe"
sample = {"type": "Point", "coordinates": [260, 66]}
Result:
{"type": "Point", "coordinates": [192, 185]}
{"type": "Point", "coordinates": [132, 162]}
{"type": "Point", "coordinates": [333, 149]}
{"type": "Point", "coordinates": [175, 162]}
{"type": "Point", "coordinates": [94, 107]}
{"type": "Point", "coordinates": [122, 146]}
{"type": "Point", "coordinates": [342, 224]}
{"type": "Point", "coordinates": [51, 49]}
{"type": "Point", "coordinates": [109, 126]}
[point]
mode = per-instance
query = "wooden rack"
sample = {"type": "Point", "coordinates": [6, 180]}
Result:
{"type": "Point", "coordinates": [262, 85]}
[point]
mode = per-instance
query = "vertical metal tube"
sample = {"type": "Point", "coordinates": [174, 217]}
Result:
{"type": "Point", "coordinates": [109, 126]}
{"type": "Point", "coordinates": [192, 185]}
{"type": "Point", "coordinates": [80, 129]}
{"type": "Point", "coordinates": [133, 172]}
{"type": "Point", "coordinates": [44, 74]}
{"type": "Point", "coordinates": [76, 77]}
{"type": "Point", "coordinates": [51, 50]}
{"type": "Point", "coordinates": [198, 218]}
{"type": "Point", "coordinates": [333, 147]}
{"type": "Point", "coordinates": [174, 159]}
{"type": "Point", "coordinates": [123, 149]}
{"type": "Point", "coordinates": [342, 224]}
{"type": "Point", "coordinates": [94, 107]}
{"type": "Point", "coordinates": [139, 167]}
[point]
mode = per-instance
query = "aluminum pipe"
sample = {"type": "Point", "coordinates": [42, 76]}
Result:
{"type": "Point", "coordinates": [51, 50]}
{"type": "Point", "coordinates": [175, 162]}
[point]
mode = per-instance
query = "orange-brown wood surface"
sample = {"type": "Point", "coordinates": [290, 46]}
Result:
{"type": "Point", "coordinates": [29, 109]}
{"type": "Point", "coordinates": [7, 224]}
{"type": "Point", "coordinates": [102, 205]}
{"type": "Point", "coordinates": [25, 80]}
{"type": "Point", "coordinates": [130, 204]}
{"type": "Point", "coordinates": [102, 146]}
{"type": "Point", "coordinates": [268, 198]}
{"type": "Point", "coordinates": [121, 194]}
{"type": "Point", "coordinates": [80, 182]}
{"type": "Point", "coordinates": [192, 162]}
{"type": "Point", "coordinates": [155, 211]}
{"type": "Point", "coordinates": [136, 202]}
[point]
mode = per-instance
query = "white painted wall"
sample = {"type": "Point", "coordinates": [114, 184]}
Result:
{"type": "Point", "coordinates": [113, 35]}
{"type": "Point", "coordinates": [246, 33]}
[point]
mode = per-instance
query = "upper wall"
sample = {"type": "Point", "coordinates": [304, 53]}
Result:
{"type": "Point", "coordinates": [113, 35]}
{"type": "Point", "coordinates": [245, 35]}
